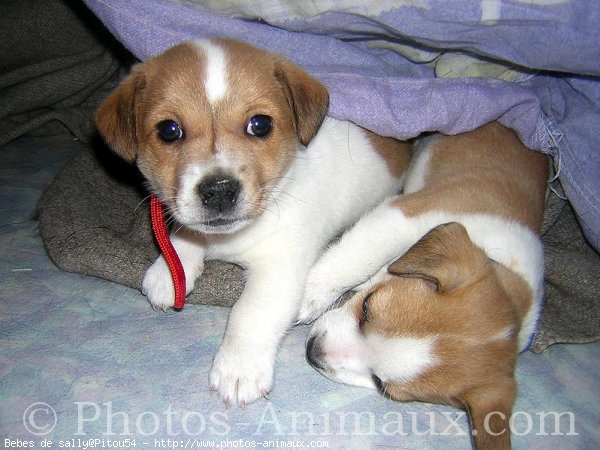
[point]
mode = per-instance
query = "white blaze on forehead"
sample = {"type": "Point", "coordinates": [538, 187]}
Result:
{"type": "Point", "coordinates": [215, 82]}
{"type": "Point", "coordinates": [401, 358]}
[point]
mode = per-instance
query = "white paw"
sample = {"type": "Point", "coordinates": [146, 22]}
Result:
{"type": "Point", "coordinates": [158, 285]}
{"type": "Point", "coordinates": [318, 297]}
{"type": "Point", "coordinates": [242, 375]}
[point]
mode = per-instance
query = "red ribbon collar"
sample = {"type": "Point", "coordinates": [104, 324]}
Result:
{"type": "Point", "coordinates": [161, 234]}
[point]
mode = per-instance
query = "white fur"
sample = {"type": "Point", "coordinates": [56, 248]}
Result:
{"type": "Point", "coordinates": [309, 208]}
{"type": "Point", "coordinates": [157, 284]}
{"type": "Point", "coordinates": [347, 353]}
{"type": "Point", "coordinates": [419, 165]}
{"type": "Point", "coordinates": [188, 202]}
{"type": "Point", "coordinates": [504, 334]}
{"type": "Point", "coordinates": [328, 186]}
{"type": "Point", "coordinates": [362, 251]}
{"type": "Point", "coordinates": [215, 83]}
{"type": "Point", "coordinates": [401, 358]}
{"type": "Point", "coordinates": [386, 233]}
{"type": "Point", "coordinates": [187, 199]}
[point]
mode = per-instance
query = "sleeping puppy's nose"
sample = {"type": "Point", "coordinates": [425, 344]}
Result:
{"type": "Point", "coordinates": [314, 353]}
{"type": "Point", "coordinates": [219, 193]}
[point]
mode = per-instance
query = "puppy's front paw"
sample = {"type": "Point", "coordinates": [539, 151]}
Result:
{"type": "Point", "coordinates": [318, 297]}
{"type": "Point", "coordinates": [158, 285]}
{"type": "Point", "coordinates": [241, 374]}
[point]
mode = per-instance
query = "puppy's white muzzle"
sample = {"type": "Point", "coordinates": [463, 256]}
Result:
{"type": "Point", "coordinates": [336, 349]}
{"type": "Point", "coordinates": [211, 202]}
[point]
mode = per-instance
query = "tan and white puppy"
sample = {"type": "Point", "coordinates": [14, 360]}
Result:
{"type": "Point", "coordinates": [461, 286]}
{"type": "Point", "coordinates": [234, 140]}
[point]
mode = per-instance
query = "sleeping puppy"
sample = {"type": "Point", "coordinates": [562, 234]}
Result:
{"type": "Point", "coordinates": [445, 320]}
{"type": "Point", "coordinates": [235, 142]}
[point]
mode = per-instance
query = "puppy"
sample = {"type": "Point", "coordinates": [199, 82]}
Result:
{"type": "Point", "coordinates": [235, 142]}
{"type": "Point", "coordinates": [445, 320]}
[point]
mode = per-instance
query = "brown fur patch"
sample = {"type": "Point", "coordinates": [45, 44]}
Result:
{"type": "Point", "coordinates": [485, 171]}
{"type": "Point", "coordinates": [395, 153]}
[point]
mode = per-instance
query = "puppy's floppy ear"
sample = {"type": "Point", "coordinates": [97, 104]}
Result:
{"type": "Point", "coordinates": [116, 117]}
{"type": "Point", "coordinates": [308, 98]}
{"type": "Point", "coordinates": [445, 256]}
{"type": "Point", "coordinates": [489, 408]}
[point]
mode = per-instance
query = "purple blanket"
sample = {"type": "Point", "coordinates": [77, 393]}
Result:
{"type": "Point", "coordinates": [421, 65]}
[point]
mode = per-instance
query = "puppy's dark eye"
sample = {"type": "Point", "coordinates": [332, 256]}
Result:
{"type": "Point", "coordinates": [169, 131]}
{"type": "Point", "coordinates": [259, 126]}
{"type": "Point", "coordinates": [364, 317]}
{"type": "Point", "coordinates": [379, 384]}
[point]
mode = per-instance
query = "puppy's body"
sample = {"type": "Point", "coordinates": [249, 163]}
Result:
{"type": "Point", "coordinates": [235, 142]}
{"type": "Point", "coordinates": [444, 322]}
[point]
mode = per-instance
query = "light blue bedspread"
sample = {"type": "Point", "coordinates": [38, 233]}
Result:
{"type": "Point", "coordinates": [86, 361]}
{"type": "Point", "coordinates": [407, 66]}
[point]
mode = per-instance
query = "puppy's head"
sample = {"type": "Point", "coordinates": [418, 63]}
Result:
{"type": "Point", "coordinates": [213, 125]}
{"type": "Point", "coordinates": [441, 327]}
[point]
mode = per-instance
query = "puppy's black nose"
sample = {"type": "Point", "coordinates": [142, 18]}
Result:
{"type": "Point", "coordinates": [314, 353]}
{"type": "Point", "coordinates": [219, 193]}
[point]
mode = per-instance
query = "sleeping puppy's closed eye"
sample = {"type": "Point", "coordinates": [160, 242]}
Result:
{"type": "Point", "coordinates": [235, 141]}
